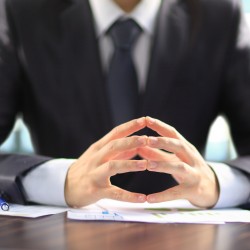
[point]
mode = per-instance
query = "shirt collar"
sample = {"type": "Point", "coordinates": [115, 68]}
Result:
{"type": "Point", "coordinates": [106, 12]}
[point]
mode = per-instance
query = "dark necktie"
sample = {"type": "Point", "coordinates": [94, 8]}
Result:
{"type": "Point", "coordinates": [122, 79]}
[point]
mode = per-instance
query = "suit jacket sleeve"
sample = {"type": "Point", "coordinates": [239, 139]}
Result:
{"type": "Point", "coordinates": [236, 93]}
{"type": "Point", "coordinates": [11, 166]}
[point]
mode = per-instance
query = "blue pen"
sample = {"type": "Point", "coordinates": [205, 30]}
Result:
{"type": "Point", "coordinates": [4, 205]}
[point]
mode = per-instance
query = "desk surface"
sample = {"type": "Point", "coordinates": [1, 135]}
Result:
{"type": "Point", "coordinates": [58, 232]}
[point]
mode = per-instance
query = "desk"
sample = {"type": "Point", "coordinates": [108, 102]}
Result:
{"type": "Point", "coordinates": [57, 232]}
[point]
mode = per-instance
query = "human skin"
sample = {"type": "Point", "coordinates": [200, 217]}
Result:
{"type": "Point", "coordinates": [197, 181]}
{"type": "Point", "coordinates": [127, 5]}
{"type": "Point", "coordinates": [88, 179]}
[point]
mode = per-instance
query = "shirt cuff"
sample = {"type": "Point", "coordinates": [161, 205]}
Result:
{"type": "Point", "coordinates": [45, 183]}
{"type": "Point", "coordinates": [234, 185]}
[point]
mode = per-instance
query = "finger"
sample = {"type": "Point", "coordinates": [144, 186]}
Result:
{"type": "Point", "coordinates": [175, 193]}
{"type": "Point", "coordinates": [181, 170]}
{"type": "Point", "coordinates": [118, 146]}
{"type": "Point", "coordinates": [162, 128]}
{"type": "Point", "coordinates": [154, 154]}
{"type": "Point", "coordinates": [112, 168]}
{"type": "Point", "coordinates": [124, 130]}
{"type": "Point", "coordinates": [119, 194]}
{"type": "Point", "coordinates": [130, 154]}
{"type": "Point", "coordinates": [180, 148]}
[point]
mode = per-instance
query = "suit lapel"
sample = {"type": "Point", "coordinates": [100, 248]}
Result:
{"type": "Point", "coordinates": [170, 42]}
{"type": "Point", "coordinates": [77, 25]}
{"type": "Point", "coordinates": [169, 45]}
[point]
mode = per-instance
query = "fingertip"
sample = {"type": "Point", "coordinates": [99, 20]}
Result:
{"type": "Point", "coordinates": [150, 121]}
{"type": "Point", "coordinates": [142, 198]}
{"type": "Point", "coordinates": [151, 199]}
{"type": "Point", "coordinates": [142, 140]}
{"type": "Point", "coordinates": [152, 165]}
{"type": "Point", "coordinates": [141, 121]}
{"type": "Point", "coordinates": [142, 165]}
{"type": "Point", "coordinates": [152, 141]}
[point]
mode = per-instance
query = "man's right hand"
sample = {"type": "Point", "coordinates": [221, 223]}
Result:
{"type": "Point", "coordinates": [88, 179]}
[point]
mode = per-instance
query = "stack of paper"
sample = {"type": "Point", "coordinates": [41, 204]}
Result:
{"type": "Point", "coordinates": [179, 211]}
{"type": "Point", "coordinates": [166, 212]}
{"type": "Point", "coordinates": [33, 211]}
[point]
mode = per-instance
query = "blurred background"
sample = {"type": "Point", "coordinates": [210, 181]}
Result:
{"type": "Point", "coordinates": [219, 145]}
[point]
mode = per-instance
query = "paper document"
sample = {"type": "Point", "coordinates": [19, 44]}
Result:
{"type": "Point", "coordinates": [109, 210]}
{"type": "Point", "coordinates": [166, 212]}
{"type": "Point", "coordinates": [32, 211]}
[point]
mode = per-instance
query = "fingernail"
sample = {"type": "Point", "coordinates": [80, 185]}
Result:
{"type": "Point", "coordinates": [141, 164]}
{"type": "Point", "coordinates": [150, 120]}
{"type": "Point", "coordinates": [153, 164]}
{"type": "Point", "coordinates": [151, 199]}
{"type": "Point", "coordinates": [141, 198]}
{"type": "Point", "coordinates": [152, 140]}
{"type": "Point", "coordinates": [142, 140]}
{"type": "Point", "coordinates": [141, 121]}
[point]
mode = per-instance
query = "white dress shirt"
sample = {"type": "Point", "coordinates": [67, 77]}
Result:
{"type": "Point", "coordinates": [50, 177]}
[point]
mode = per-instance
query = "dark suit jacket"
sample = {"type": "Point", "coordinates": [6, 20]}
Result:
{"type": "Point", "coordinates": [50, 72]}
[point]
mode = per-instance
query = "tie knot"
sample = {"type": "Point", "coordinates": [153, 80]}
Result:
{"type": "Point", "coordinates": [124, 33]}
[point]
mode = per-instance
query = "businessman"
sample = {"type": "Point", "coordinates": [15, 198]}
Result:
{"type": "Point", "coordinates": [119, 96]}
